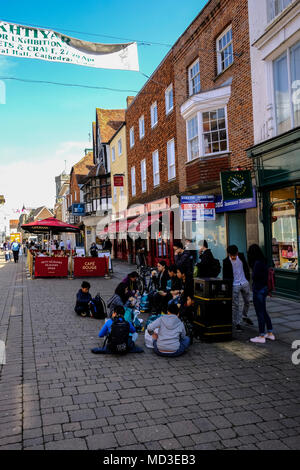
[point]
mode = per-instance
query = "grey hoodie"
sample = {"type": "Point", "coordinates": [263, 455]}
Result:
{"type": "Point", "coordinates": [170, 331]}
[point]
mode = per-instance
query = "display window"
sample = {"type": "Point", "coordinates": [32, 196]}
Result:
{"type": "Point", "coordinates": [284, 230]}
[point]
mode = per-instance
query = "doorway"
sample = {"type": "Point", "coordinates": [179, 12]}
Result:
{"type": "Point", "coordinates": [237, 230]}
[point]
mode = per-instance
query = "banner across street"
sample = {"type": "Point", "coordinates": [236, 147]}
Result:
{"type": "Point", "coordinates": [44, 44]}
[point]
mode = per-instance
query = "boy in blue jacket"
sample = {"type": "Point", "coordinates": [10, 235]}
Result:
{"type": "Point", "coordinates": [118, 313]}
{"type": "Point", "coordinates": [84, 304]}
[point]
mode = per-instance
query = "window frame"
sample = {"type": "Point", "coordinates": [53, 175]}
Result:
{"type": "Point", "coordinates": [168, 159]}
{"type": "Point", "coordinates": [191, 92]}
{"type": "Point", "coordinates": [155, 164]}
{"type": "Point", "coordinates": [142, 120]}
{"type": "Point", "coordinates": [133, 181]}
{"type": "Point", "coordinates": [220, 69]}
{"type": "Point", "coordinates": [271, 15]}
{"type": "Point", "coordinates": [113, 154]}
{"type": "Point", "coordinates": [153, 106]}
{"type": "Point", "coordinates": [131, 137]}
{"type": "Point", "coordinates": [143, 176]}
{"type": "Point", "coordinates": [120, 149]}
{"type": "Point", "coordinates": [167, 101]}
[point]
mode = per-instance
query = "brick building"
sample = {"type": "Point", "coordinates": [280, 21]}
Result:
{"type": "Point", "coordinates": [212, 81]}
{"type": "Point", "coordinates": [152, 159]}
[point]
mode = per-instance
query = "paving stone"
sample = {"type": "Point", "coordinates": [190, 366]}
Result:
{"type": "Point", "coordinates": [205, 437]}
{"type": "Point", "coordinates": [67, 444]}
{"type": "Point", "coordinates": [152, 433]}
{"type": "Point", "coordinates": [101, 441]}
{"type": "Point", "coordinates": [82, 415]}
{"type": "Point", "coordinates": [292, 443]}
{"type": "Point", "coordinates": [246, 417]}
{"type": "Point", "coordinates": [272, 445]}
{"type": "Point", "coordinates": [55, 418]}
{"type": "Point", "coordinates": [125, 438]}
{"type": "Point", "coordinates": [183, 428]}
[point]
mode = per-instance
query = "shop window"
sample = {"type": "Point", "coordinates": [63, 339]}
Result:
{"type": "Point", "coordinates": [284, 236]}
{"type": "Point", "coordinates": [283, 194]}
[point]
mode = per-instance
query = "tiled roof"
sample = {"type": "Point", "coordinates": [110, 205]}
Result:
{"type": "Point", "coordinates": [84, 165]}
{"type": "Point", "coordinates": [109, 121]}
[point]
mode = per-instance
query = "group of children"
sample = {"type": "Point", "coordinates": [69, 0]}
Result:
{"type": "Point", "coordinates": [167, 331]}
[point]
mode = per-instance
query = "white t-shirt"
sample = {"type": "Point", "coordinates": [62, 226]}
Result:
{"type": "Point", "coordinates": [239, 278]}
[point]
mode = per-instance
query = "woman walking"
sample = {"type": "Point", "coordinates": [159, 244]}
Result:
{"type": "Point", "coordinates": [257, 263]}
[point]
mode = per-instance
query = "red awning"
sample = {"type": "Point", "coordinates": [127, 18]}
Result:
{"type": "Point", "coordinates": [50, 224]}
{"type": "Point", "coordinates": [113, 227]}
{"type": "Point", "coordinates": [141, 223]}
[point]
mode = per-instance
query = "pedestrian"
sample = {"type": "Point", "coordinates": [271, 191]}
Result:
{"type": "Point", "coordinates": [94, 250]}
{"type": "Point", "coordinates": [171, 339]}
{"type": "Point", "coordinates": [83, 305]}
{"type": "Point", "coordinates": [183, 258]}
{"type": "Point", "coordinates": [15, 247]}
{"type": "Point", "coordinates": [258, 264]}
{"type": "Point", "coordinates": [208, 266]}
{"type": "Point", "coordinates": [62, 245]}
{"type": "Point", "coordinates": [107, 245]}
{"type": "Point", "coordinates": [191, 247]}
{"type": "Point", "coordinates": [236, 269]}
{"type": "Point", "coordinates": [117, 331]}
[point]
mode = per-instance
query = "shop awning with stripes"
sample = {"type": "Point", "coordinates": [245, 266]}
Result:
{"type": "Point", "coordinates": [141, 223]}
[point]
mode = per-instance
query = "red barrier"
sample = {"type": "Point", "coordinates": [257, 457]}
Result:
{"type": "Point", "coordinates": [51, 267]}
{"type": "Point", "coordinates": [95, 267]}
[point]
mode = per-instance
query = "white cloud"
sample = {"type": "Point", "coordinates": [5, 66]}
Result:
{"type": "Point", "coordinates": [32, 182]}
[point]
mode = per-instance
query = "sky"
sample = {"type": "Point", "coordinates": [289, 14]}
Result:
{"type": "Point", "coordinates": [44, 128]}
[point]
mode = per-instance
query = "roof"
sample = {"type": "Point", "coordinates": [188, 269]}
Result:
{"type": "Point", "coordinates": [83, 167]}
{"type": "Point", "coordinates": [109, 121]}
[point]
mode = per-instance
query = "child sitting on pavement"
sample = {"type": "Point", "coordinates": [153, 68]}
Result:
{"type": "Point", "coordinates": [84, 305]}
{"type": "Point", "coordinates": [106, 330]}
{"type": "Point", "coordinates": [171, 339]}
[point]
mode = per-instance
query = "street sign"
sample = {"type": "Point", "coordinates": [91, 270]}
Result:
{"type": "Point", "coordinates": [236, 185]}
{"type": "Point", "coordinates": [78, 209]}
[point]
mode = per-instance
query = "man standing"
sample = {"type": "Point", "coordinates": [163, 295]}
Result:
{"type": "Point", "coordinates": [15, 249]}
{"type": "Point", "coordinates": [183, 258]}
{"type": "Point", "coordinates": [236, 269]}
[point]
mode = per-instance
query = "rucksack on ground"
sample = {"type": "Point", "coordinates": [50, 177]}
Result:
{"type": "Point", "coordinates": [99, 307]}
{"type": "Point", "coordinates": [117, 340]}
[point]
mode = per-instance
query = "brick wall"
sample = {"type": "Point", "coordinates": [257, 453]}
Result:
{"type": "Point", "coordinates": [154, 139]}
{"type": "Point", "coordinates": [199, 41]}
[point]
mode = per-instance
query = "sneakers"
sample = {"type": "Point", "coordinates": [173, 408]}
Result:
{"type": "Point", "coordinates": [238, 328]}
{"type": "Point", "coordinates": [248, 321]}
{"type": "Point", "coordinates": [258, 339]}
{"type": "Point", "coordinates": [270, 336]}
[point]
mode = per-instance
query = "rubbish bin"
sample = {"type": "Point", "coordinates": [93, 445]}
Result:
{"type": "Point", "coordinates": [213, 301]}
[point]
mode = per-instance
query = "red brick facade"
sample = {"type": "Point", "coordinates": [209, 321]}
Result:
{"type": "Point", "coordinates": [199, 41]}
{"type": "Point", "coordinates": [155, 138]}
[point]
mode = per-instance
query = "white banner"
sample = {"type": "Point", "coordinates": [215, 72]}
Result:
{"type": "Point", "coordinates": [37, 43]}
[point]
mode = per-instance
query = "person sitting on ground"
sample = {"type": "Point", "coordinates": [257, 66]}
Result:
{"type": "Point", "coordinates": [187, 286]}
{"type": "Point", "coordinates": [188, 309]}
{"type": "Point", "coordinates": [84, 306]}
{"type": "Point", "coordinates": [131, 282]}
{"type": "Point", "coordinates": [171, 339]}
{"type": "Point", "coordinates": [120, 298]}
{"type": "Point", "coordinates": [174, 284]}
{"type": "Point", "coordinates": [158, 299]}
{"type": "Point", "coordinates": [117, 331]}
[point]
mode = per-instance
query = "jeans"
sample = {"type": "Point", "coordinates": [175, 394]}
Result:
{"type": "Point", "coordinates": [184, 344]}
{"type": "Point", "coordinates": [259, 301]}
{"type": "Point", "coordinates": [236, 314]}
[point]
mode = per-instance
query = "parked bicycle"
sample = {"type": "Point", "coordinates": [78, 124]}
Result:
{"type": "Point", "coordinates": [144, 281]}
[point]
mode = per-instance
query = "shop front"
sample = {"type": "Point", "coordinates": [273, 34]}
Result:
{"type": "Point", "coordinates": [277, 163]}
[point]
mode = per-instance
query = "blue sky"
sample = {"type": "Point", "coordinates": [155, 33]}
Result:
{"type": "Point", "coordinates": [43, 125]}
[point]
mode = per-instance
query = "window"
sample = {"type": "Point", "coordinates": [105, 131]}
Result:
{"type": "Point", "coordinates": [275, 7]}
{"type": "Point", "coordinates": [194, 78]}
{"type": "Point", "coordinates": [142, 127]}
{"type": "Point", "coordinates": [171, 159]}
{"type": "Point", "coordinates": [143, 176]}
{"type": "Point", "coordinates": [155, 161]}
{"type": "Point", "coordinates": [133, 187]}
{"type": "Point", "coordinates": [113, 154]}
{"type": "Point", "coordinates": [224, 50]}
{"type": "Point", "coordinates": [169, 99]}
{"type": "Point", "coordinates": [120, 146]}
{"type": "Point", "coordinates": [154, 117]}
{"type": "Point", "coordinates": [207, 133]}
{"type": "Point", "coordinates": [214, 131]}
{"type": "Point", "coordinates": [115, 194]}
{"type": "Point", "coordinates": [121, 194]}
{"type": "Point", "coordinates": [131, 137]}
{"type": "Point", "coordinates": [193, 138]}
{"type": "Point", "coordinates": [286, 76]}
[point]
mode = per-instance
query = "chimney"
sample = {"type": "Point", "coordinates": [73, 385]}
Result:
{"type": "Point", "coordinates": [129, 100]}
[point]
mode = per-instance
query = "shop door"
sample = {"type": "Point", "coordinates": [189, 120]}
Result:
{"type": "Point", "coordinates": [237, 230]}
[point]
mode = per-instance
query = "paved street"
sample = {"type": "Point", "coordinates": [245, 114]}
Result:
{"type": "Point", "coordinates": [55, 394]}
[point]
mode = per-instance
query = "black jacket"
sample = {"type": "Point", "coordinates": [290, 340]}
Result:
{"type": "Point", "coordinates": [161, 280]}
{"type": "Point", "coordinates": [204, 267]}
{"type": "Point", "coordinates": [228, 271]}
{"type": "Point", "coordinates": [185, 261]}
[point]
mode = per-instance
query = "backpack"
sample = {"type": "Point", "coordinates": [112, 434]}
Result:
{"type": "Point", "coordinates": [271, 281]}
{"type": "Point", "coordinates": [117, 340]}
{"type": "Point", "coordinates": [99, 307]}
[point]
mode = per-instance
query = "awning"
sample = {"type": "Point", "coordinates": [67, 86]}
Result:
{"type": "Point", "coordinates": [141, 223]}
{"type": "Point", "coordinates": [113, 227]}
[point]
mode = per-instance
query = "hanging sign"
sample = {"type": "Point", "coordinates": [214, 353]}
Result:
{"type": "Point", "coordinates": [236, 185]}
{"type": "Point", "coordinates": [118, 181]}
{"type": "Point", "coordinates": [45, 44]}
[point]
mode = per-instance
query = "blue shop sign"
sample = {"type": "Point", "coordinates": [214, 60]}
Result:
{"type": "Point", "coordinates": [78, 209]}
{"type": "Point", "coordinates": [236, 204]}
{"type": "Point", "coordinates": [197, 199]}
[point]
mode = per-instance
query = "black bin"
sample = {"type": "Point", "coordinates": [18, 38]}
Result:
{"type": "Point", "coordinates": [213, 288]}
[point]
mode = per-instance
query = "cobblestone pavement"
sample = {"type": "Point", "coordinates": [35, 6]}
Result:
{"type": "Point", "coordinates": [55, 394]}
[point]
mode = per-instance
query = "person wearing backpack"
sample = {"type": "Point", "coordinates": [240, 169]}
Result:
{"type": "Point", "coordinates": [15, 247]}
{"type": "Point", "coordinates": [208, 265]}
{"type": "Point", "coordinates": [117, 332]}
{"type": "Point", "coordinates": [260, 274]}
